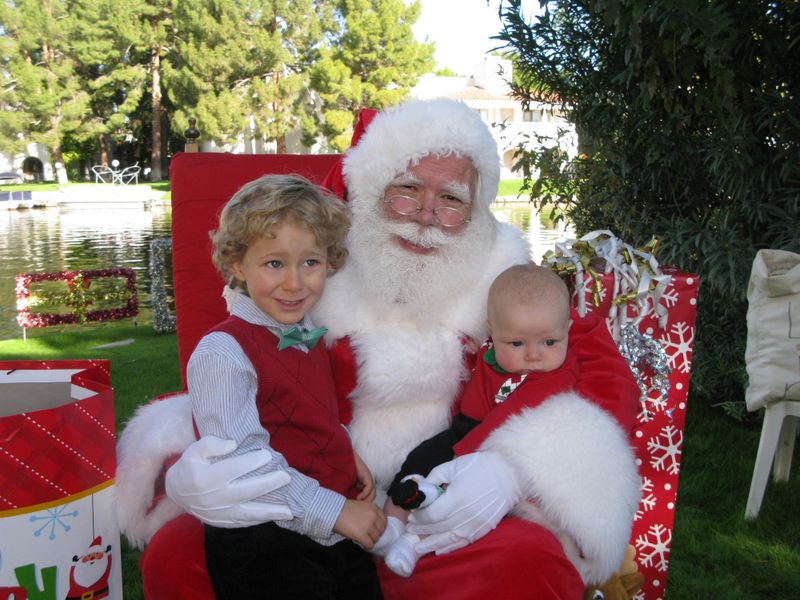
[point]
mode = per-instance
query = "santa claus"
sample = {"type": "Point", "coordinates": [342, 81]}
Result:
{"type": "Point", "coordinates": [89, 574]}
{"type": "Point", "coordinates": [404, 316]}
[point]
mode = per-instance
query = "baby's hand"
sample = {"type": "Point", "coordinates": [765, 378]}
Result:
{"type": "Point", "coordinates": [360, 521]}
{"type": "Point", "coordinates": [364, 480]}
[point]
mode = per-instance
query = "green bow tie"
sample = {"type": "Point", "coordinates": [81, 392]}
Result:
{"type": "Point", "coordinates": [297, 335]}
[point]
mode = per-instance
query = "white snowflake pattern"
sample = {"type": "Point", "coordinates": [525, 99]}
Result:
{"type": "Point", "coordinates": [645, 415]}
{"type": "Point", "coordinates": [653, 547]}
{"type": "Point", "coordinates": [678, 344]}
{"type": "Point", "coordinates": [670, 297]}
{"type": "Point", "coordinates": [665, 450]}
{"type": "Point", "coordinates": [648, 500]}
{"type": "Point", "coordinates": [653, 404]}
{"type": "Point", "coordinates": [655, 401]}
{"type": "Point", "coordinates": [52, 518]}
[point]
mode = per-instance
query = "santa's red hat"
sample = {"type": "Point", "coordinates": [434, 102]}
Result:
{"type": "Point", "coordinates": [96, 545]}
{"type": "Point", "coordinates": [334, 181]}
{"type": "Point", "coordinates": [385, 143]}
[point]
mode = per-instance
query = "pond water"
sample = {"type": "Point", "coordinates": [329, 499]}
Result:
{"type": "Point", "coordinates": [60, 239]}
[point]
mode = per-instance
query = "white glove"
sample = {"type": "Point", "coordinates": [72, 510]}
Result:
{"type": "Point", "coordinates": [216, 494]}
{"type": "Point", "coordinates": [481, 490]}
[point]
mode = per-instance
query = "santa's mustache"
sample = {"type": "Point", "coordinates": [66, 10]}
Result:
{"type": "Point", "coordinates": [422, 236]}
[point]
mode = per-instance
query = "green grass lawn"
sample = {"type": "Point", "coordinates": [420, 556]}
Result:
{"type": "Point", "coordinates": [45, 186]}
{"type": "Point", "coordinates": [509, 187]}
{"type": "Point", "coordinates": [52, 186]}
{"type": "Point", "coordinates": [715, 553]}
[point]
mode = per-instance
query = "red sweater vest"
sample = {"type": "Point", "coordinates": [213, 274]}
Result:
{"type": "Point", "coordinates": [296, 403]}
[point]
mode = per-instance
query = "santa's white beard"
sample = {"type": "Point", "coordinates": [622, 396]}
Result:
{"type": "Point", "coordinates": [419, 285]}
{"type": "Point", "coordinates": [87, 573]}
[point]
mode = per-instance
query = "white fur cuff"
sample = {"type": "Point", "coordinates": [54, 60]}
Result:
{"type": "Point", "coordinates": [154, 433]}
{"type": "Point", "coordinates": [575, 463]}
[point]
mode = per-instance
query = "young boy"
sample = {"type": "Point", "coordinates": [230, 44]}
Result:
{"type": "Point", "coordinates": [260, 378]}
{"type": "Point", "coordinates": [524, 362]}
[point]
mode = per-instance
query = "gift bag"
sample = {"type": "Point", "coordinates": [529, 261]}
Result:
{"type": "Point", "coordinates": [773, 329]}
{"type": "Point", "coordinates": [58, 533]}
{"type": "Point", "coordinates": [650, 311]}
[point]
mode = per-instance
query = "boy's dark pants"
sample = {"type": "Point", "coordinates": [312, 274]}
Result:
{"type": "Point", "coordinates": [267, 561]}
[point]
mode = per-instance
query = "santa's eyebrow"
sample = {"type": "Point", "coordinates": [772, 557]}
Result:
{"type": "Point", "coordinates": [459, 190]}
{"type": "Point", "coordinates": [406, 179]}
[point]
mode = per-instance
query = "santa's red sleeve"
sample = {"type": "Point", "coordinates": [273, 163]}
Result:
{"type": "Point", "coordinates": [603, 375]}
{"type": "Point", "coordinates": [573, 458]}
{"type": "Point", "coordinates": [531, 393]}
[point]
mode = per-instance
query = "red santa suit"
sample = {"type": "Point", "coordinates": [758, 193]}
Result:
{"type": "Point", "coordinates": [493, 395]}
{"type": "Point", "coordinates": [397, 322]}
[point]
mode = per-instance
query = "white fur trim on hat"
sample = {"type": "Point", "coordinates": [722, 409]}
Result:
{"type": "Point", "coordinates": [408, 132]}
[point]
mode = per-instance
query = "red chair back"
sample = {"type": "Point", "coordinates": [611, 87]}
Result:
{"type": "Point", "coordinates": [201, 184]}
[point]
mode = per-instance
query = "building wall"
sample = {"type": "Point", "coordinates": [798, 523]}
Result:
{"type": "Point", "coordinates": [487, 92]}
{"type": "Point", "coordinates": [13, 162]}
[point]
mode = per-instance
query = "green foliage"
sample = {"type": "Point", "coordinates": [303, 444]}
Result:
{"type": "Point", "coordinates": [687, 117]}
{"type": "Point", "coordinates": [372, 61]}
{"type": "Point", "coordinates": [132, 73]}
{"type": "Point", "coordinates": [42, 89]}
{"type": "Point", "coordinates": [107, 32]}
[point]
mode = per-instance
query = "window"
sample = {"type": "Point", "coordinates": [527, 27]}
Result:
{"type": "Point", "coordinates": [532, 116]}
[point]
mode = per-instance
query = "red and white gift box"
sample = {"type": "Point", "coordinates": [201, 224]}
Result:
{"type": "Point", "coordinates": [58, 532]}
{"type": "Point", "coordinates": [658, 435]}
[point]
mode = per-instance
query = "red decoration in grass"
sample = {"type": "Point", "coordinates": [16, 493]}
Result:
{"type": "Point", "coordinates": [78, 295]}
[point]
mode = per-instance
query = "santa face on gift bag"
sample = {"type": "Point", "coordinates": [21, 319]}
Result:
{"type": "Point", "coordinates": [88, 576]}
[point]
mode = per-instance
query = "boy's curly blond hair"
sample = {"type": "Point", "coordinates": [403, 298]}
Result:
{"type": "Point", "coordinates": [269, 201]}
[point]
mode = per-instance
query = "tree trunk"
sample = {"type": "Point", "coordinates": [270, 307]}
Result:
{"type": "Point", "coordinates": [57, 160]}
{"type": "Point", "coordinates": [155, 149]}
{"type": "Point", "coordinates": [280, 144]}
{"type": "Point", "coordinates": [102, 143]}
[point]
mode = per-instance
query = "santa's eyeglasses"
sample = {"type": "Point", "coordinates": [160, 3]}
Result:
{"type": "Point", "coordinates": [446, 216]}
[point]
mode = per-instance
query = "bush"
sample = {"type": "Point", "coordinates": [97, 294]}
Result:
{"type": "Point", "coordinates": [689, 130]}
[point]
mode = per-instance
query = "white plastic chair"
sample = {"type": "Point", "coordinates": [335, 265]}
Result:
{"type": "Point", "coordinates": [128, 175]}
{"type": "Point", "coordinates": [103, 174]}
{"type": "Point", "coordinates": [772, 358]}
{"type": "Point", "coordinates": [778, 434]}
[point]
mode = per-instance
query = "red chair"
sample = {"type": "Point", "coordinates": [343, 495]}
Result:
{"type": "Point", "coordinates": [202, 182]}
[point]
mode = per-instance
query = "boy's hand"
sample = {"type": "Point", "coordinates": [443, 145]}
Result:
{"type": "Point", "coordinates": [362, 522]}
{"type": "Point", "coordinates": [364, 480]}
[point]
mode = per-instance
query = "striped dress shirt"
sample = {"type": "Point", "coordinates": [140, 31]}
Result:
{"type": "Point", "coordinates": [222, 387]}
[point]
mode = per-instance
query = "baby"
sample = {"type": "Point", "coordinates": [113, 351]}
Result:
{"type": "Point", "coordinates": [524, 362]}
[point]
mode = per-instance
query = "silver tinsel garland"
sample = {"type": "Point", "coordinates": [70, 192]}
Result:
{"type": "Point", "coordinates": [638, 281]}
{"type": "Point", "coordinates": [163, 320]}
{"type": "Point", "coordinates": [650, 366]}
